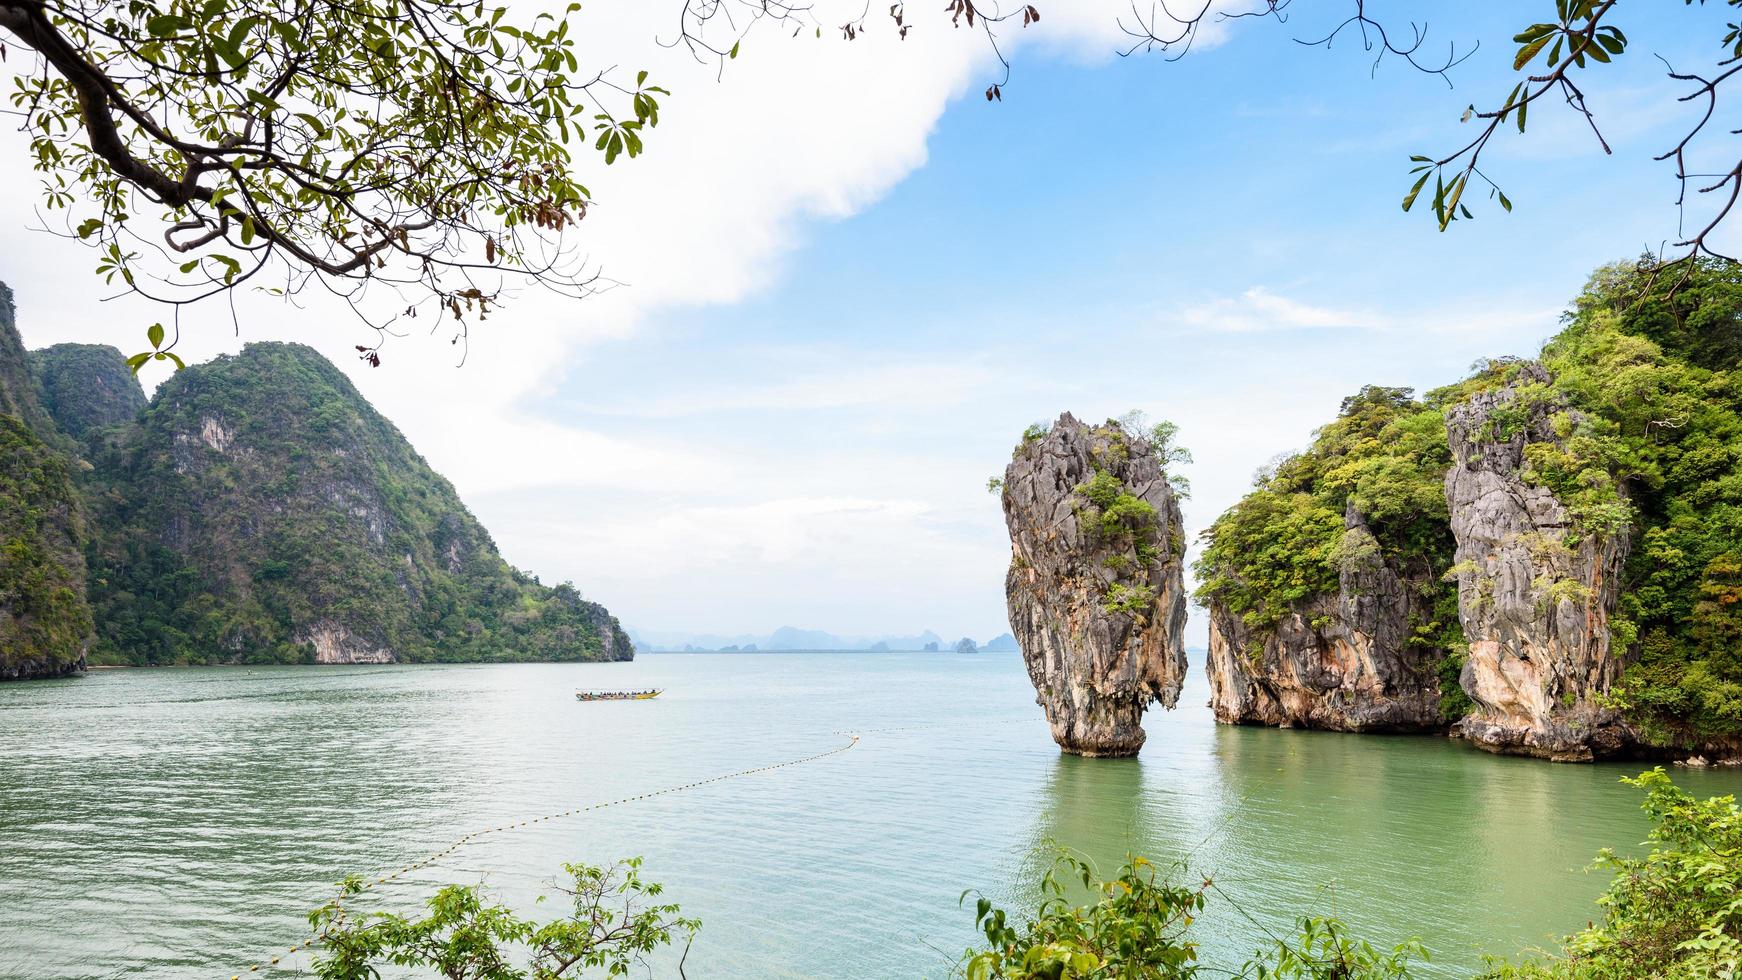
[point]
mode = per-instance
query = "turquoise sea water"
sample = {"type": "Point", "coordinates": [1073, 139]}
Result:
{"type": "Point", "coordinates": [180, 823]}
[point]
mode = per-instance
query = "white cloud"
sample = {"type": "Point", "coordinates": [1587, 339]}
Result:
{"type": "Point", "coordinates": [1260, 309]}
{"type": "Point", "coordinates": [810, 378]}
{"type": "Point", "coordinates": [798, 129]}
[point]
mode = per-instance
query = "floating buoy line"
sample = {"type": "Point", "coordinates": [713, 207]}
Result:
{"type": "Point", "coordinates": [852, 738]}
{"type": "Point", "coordinates": [314, 939]}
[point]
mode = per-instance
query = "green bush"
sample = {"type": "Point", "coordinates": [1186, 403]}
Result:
{"type": "Point", "coordinates": [616, 921]}
{"type": "Point", "coordinates": [1675, 914]}
{"type": "Point", "coordinates": [1139, 927]}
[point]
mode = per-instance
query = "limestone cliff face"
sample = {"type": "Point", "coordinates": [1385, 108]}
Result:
{"type": "Point", "coordinates": [1534, 596]}
{"type": "Point", "coordinates": [1095, 591]}
{"type": "Point", "coordinates": [1343, 661]}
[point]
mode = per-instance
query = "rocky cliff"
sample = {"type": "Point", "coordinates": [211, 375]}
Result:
{"type": "Point", "coordinates": [1535, 595]}
{"type": "Point", "coordinates": [1347, 660]}
{"type": "Point", "coordinates": [45, 622]}
{"type": "Point", "coordinates": [18, 396]}
{"type": "Point", "coordinates": [1095, 591]}
{"type": "Point", "coordinates": [261, 510]}
{"type": "Point", "coordinates": [85, 387]}
{"type": "Point", "coordinates": [1323, 584]}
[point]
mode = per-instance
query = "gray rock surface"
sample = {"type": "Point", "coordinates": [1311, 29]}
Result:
{"type": "Point", "coordinates": [1534, 596]}
{"type": "Point", "coordinates": [1340, 662]}
{"type": "Point", "coordinates": [1096, 665]}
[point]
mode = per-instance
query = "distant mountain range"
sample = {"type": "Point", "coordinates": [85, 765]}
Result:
{"type": "Point", "coordinates": [793, 638]}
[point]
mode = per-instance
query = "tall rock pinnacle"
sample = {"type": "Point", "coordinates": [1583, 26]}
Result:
{"type": "Point", "coordinates": [1096, 589]}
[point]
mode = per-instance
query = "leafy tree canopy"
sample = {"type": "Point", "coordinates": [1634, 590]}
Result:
{"type": "Point", "coordinates": [425, 146]}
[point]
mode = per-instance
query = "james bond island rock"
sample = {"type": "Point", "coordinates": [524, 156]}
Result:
{"type": "Point", "coordinates": [1323, 584]}
{"type": "Point", "coordinates": [1096, 592]}
{"type": "Point", "coordinates": [45, 622]}
{"type": "Point", "coordinates": [262, 511]}
{"type": "Point", "coordinates": [85, 387]}
{"type": "Point", "coordinates": [1535, 592]}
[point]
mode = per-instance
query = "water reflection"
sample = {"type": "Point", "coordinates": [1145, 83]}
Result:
{"type": "Point", "coordinates": [1092, 808]}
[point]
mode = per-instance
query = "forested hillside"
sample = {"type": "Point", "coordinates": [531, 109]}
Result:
{"type": "Point", "coordinates": [45, 624]}
{"type": "Point", "coordinates": [256, 510]}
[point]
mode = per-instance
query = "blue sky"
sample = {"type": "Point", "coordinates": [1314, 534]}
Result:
{"type": "Point", "coordinates": [852, 282]}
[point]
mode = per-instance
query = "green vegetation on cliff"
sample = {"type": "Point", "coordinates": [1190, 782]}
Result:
{"type": "Point", "coordinates": [261, 510]}
{"type": "Point", "coordinates": [17, 391]}
{"type": "Point", "coordinates": [1653, 448]}
{"type": "Point", "coordinates": [44, 621]}
{"type": "Point", "coordinates": [1384, 458]}
{"type": "Point", "coordinates": [1646, 402]}
{"type": "Point", "coordinates": [85, 387]}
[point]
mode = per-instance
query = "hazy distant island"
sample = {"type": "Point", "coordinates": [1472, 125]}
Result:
{"type": "Point", "coordinates": [791, 638]}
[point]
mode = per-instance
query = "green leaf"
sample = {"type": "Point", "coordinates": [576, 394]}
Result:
{"type": "Point", "coordinates": [1533, 32]}
{"type": "Point", "coordinates": [167, 25]}
{"type": "Point", "coordinates": [154, 333]}
{"type": "Point", "coordinates": [1529, 51]}
{"type": "Point", "coordinates": [1409, 199]}
{"type": "Point", "coordinates": [734, 52]}
{"type": "Point", "coordinates": [137, 360]}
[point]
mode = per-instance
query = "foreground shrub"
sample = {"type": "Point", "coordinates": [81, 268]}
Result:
{"type": "Point", "coordinates": [1137, 930]}
{"type": "Point", "coordinates": [1674, 914]}
{"type": "Point", "coordinates": [615, 922]}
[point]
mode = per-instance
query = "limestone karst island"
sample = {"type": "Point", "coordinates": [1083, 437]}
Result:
{"type": "Point", "coordinates": [1211, 490]}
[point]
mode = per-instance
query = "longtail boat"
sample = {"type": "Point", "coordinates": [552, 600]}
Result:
{"type": "Point", "coordinates": [617, 695]}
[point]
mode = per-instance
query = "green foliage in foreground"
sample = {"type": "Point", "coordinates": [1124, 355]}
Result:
{"type": "Point", "coordinates": [1674, 914]}
{"type": "Point", "coordinates": [1139, 928]}
{"type": "Point", "coordinates": [614, 922]}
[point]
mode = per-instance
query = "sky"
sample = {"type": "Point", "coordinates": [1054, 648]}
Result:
{"type": "Point", "coordinates": [850, 282]}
